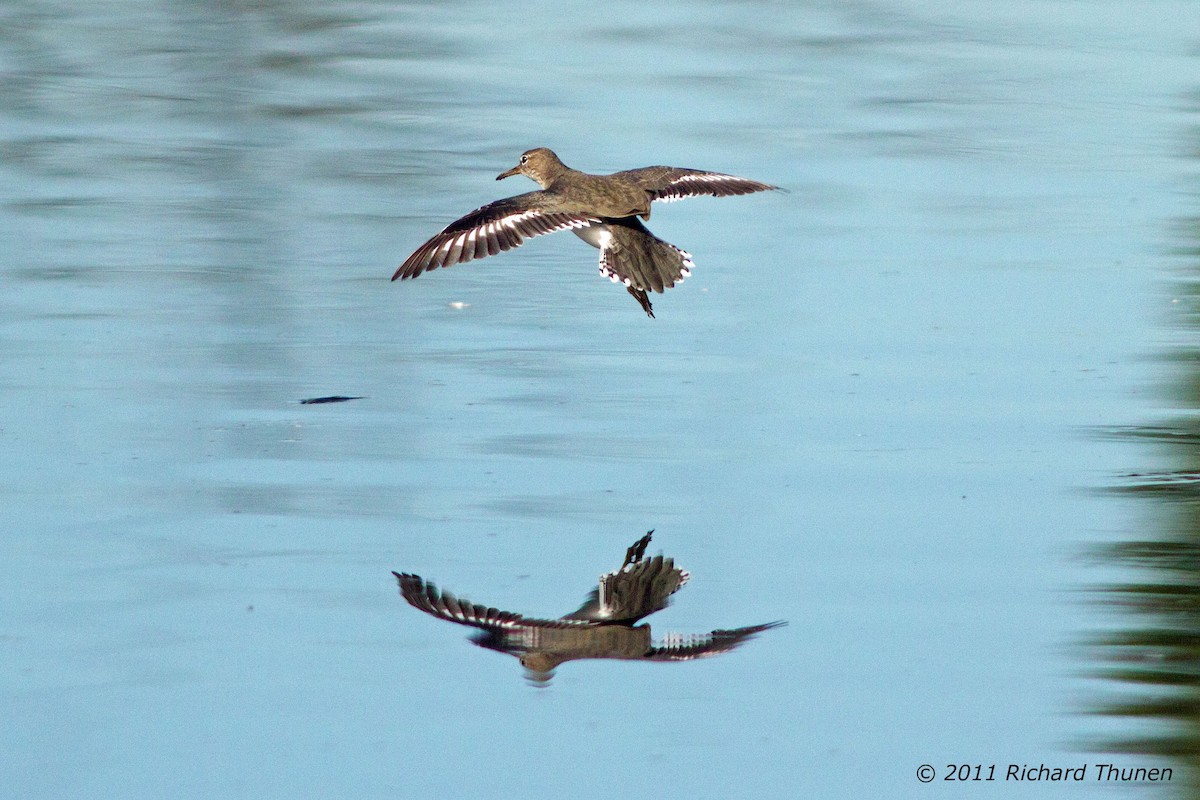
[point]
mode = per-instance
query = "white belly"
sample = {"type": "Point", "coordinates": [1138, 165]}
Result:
{"type": "Point", "coordinates": [595, 235]}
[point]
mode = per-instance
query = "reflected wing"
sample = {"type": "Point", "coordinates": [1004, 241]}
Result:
{"type": "Point", "coordinates": [685, 647]}
{"type": "Point", "coordinates": [489, 230]}
{"type": "Point", "coordinates": [444, 605]}
{"type": "Point", "coordinates": [673, 183]}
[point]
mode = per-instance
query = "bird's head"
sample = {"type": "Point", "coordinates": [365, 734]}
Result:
{"type": "Point", "coordinates": [539, 164]}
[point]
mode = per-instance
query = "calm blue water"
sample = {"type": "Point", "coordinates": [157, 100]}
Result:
{"type": "Point", "coordinates": [871, 411]}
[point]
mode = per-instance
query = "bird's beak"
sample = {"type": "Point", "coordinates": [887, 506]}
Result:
{"type": "Point", "coordinates": [509, 173]}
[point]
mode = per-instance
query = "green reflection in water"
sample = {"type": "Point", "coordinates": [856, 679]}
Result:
{"type": "Point", "coordinates": [1152, 660]}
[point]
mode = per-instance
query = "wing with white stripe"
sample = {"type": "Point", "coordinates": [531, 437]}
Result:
{"type": "Point", "coordinates": [686, 647]}
{"type": "Point", "coordinates": [489, 230]}
{"type": "Point", "coordinates": [672, 183]}
{"type": "Point", "coordinates": [444, 605]}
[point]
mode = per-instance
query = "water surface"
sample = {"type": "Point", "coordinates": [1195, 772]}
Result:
{"type": "Point", "coordinates": [870, 411]}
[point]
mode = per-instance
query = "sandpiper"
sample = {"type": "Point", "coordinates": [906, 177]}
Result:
{"type": "Point", "coordinates": [603, 627]}
{"type": "Point", "coordinates": [602, 210]}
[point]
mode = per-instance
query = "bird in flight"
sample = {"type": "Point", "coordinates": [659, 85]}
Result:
{"type": "Point", "coordinates": [602, 210]}
{"type": "Point", "coordinates": [603, 627]}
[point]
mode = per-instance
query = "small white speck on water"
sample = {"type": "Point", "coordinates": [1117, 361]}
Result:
{"type": "Point", "coordinates": [458, 305]}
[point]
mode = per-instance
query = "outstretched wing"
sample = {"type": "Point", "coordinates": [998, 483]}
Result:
{"type": "Point", "coordinates": [673, 183]}
{"type": "Point", "coordinates": [444, 605]}
{"type": "Point", "coordinates": [489, 230]}
{"type": "Point", "coordinates": [685, 647]}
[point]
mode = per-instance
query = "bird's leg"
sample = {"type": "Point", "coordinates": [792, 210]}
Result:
{"type": "Point", "coordinates": [637, 550]}
{"type": "Point", "coordinates": [641, 297]}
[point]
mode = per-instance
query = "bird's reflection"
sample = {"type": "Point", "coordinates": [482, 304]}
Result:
{"type": "Point", "coordinates": [603, 627]}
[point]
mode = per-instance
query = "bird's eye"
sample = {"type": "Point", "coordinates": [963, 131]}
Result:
{"type": "Point", "coordinates": [524, 159]}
